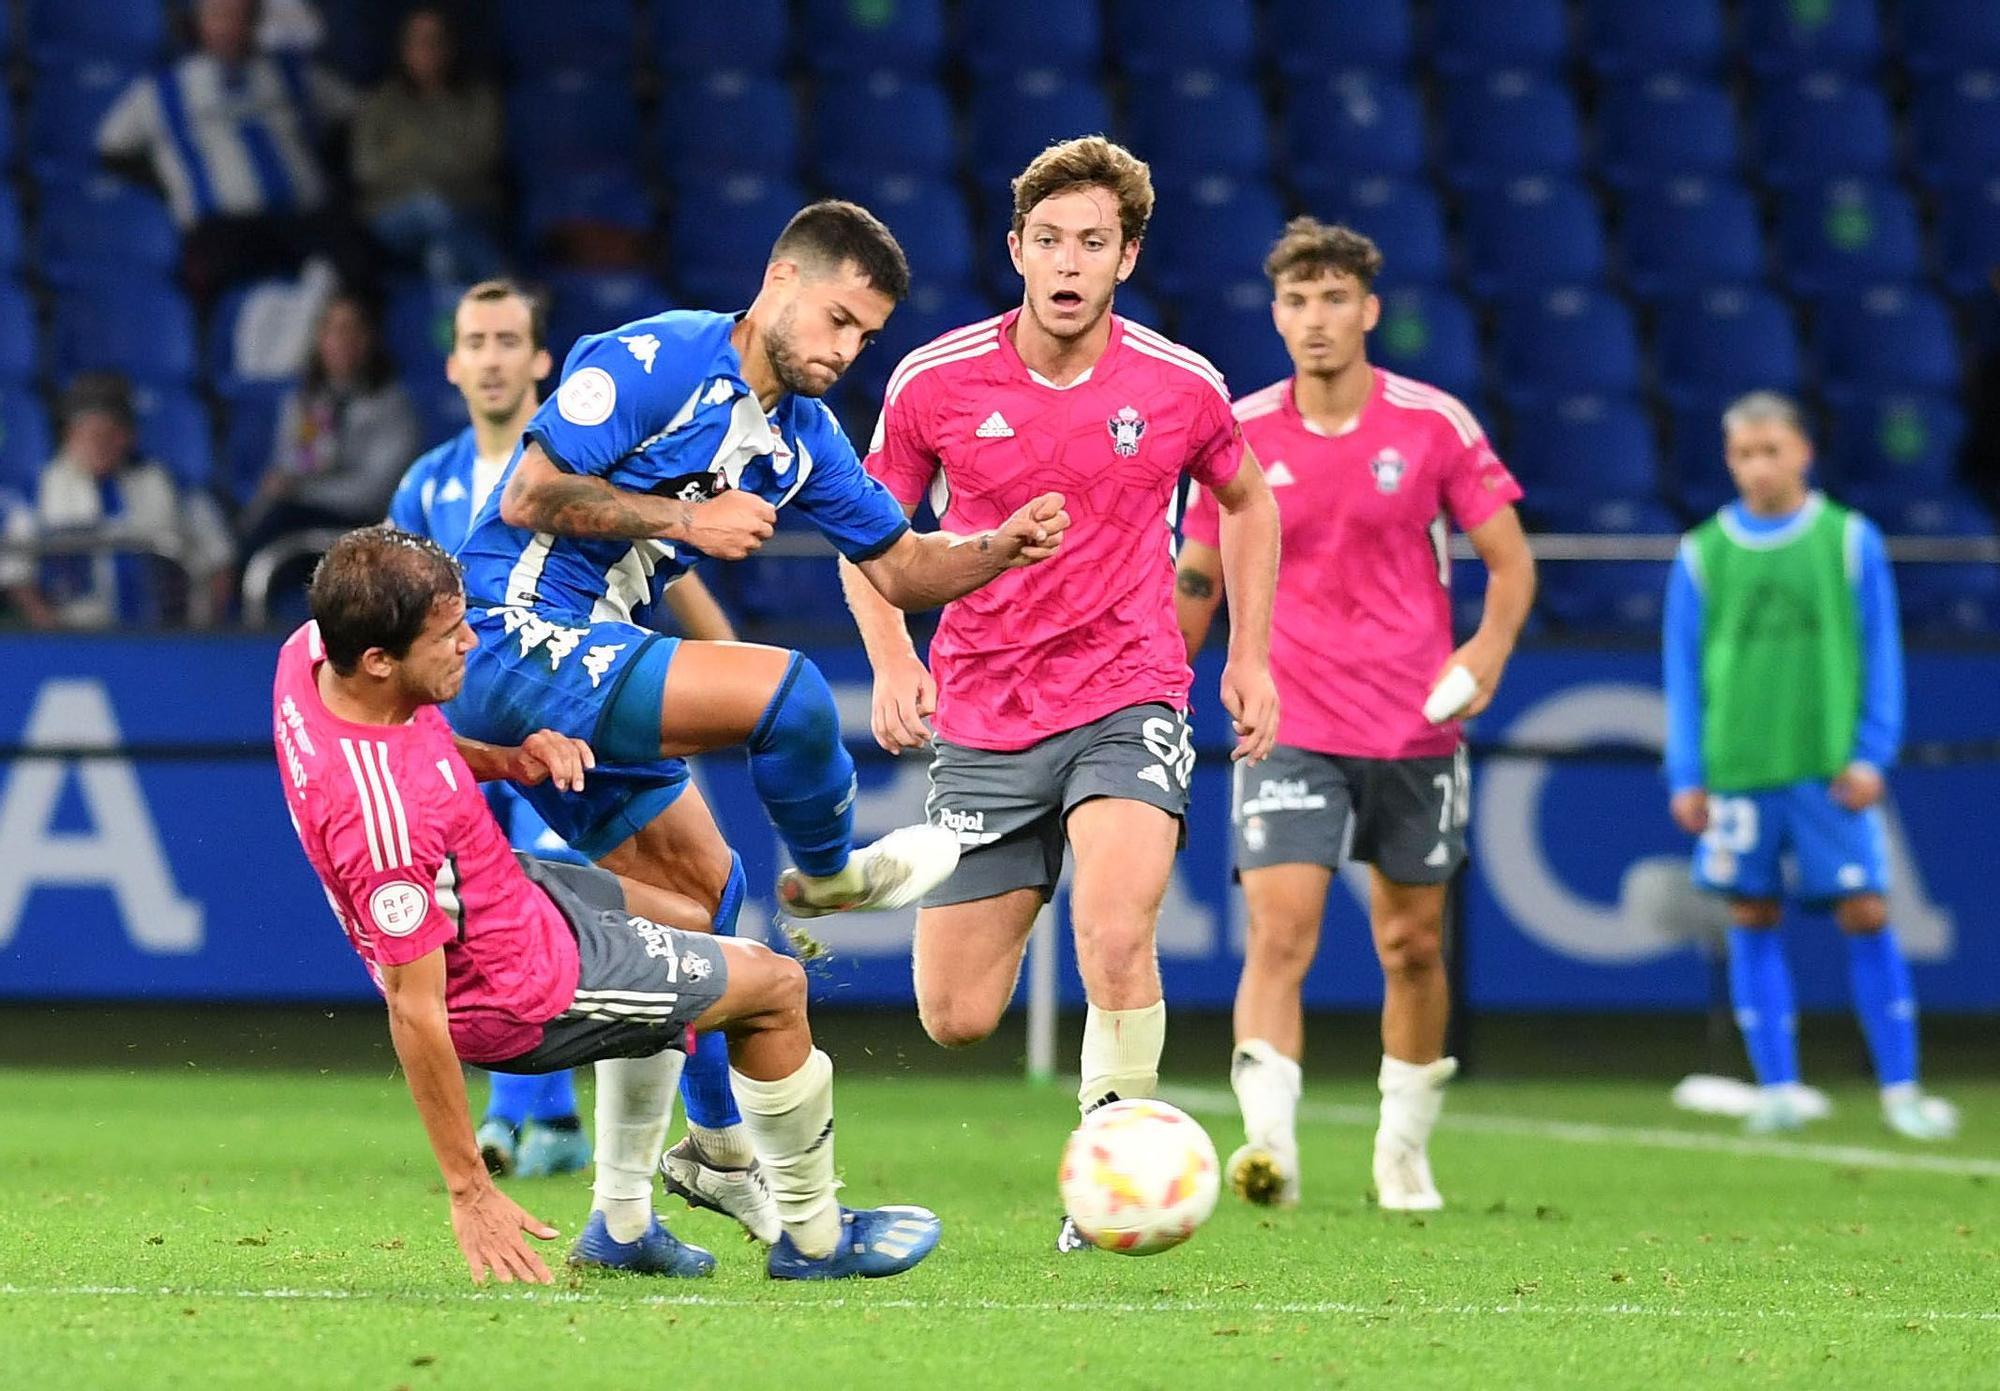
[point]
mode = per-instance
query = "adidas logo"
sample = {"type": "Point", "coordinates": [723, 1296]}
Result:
{"type": "Point", "coordinates": [1277, 475]}
{"type": "Point", "coordinates": [994, 427]}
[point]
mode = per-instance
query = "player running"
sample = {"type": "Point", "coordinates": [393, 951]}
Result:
{"type": "Point", "coordinates": [1368, 468]}
{"type": "Point", "coordinates": [1784, 678]}
{"type": "Point", "coordinates": [527, 966]}
{"type": "Point", "coordinates": [1061, 693]}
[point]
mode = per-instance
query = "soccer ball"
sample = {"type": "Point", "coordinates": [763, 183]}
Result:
{"type": "Point", "coordinates": [1139, 1176]}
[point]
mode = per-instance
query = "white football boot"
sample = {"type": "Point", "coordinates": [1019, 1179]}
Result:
{"type": "Point", "coordinates": [894, 872]}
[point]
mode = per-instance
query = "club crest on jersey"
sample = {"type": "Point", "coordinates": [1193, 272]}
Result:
{"type": "Point", "coordinates": [1127, 428]}
{"type": "Point", "coordinates": [1388, 468]}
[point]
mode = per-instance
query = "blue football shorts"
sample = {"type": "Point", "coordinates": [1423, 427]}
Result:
{"type": "Point", "coordinates": [1791, 841]}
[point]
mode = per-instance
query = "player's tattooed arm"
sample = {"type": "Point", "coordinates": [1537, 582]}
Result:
{"type": "Point", "coordinates": [922, 572]}
{"type": "Point", "coordinates": [542, 497]}
{"type": "Point", "coordinates": [1197, 592]}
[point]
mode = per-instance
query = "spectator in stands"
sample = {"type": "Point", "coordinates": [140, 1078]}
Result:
{"type": "Point", "coordinates": [344, 437]}
{"type": "Point", "coordinates": [98, 487]}
{"type": "Point", "coordinates": [231, 136]}
{"type": "Point", "coordinates": [427, 157]}
{"type": "Point", "coordinates": [24, 602]}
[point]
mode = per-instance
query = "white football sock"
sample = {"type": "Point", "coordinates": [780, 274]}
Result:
{"type": "Point", "coordinates": [1267, 1086]}
{"type": "Point", "coordinates": [791, 1123]}
{"type": "Point", "coordinates": [1121, 1054]}
{"type": "Point", "coordinates": [635, 1103]}
{"type": "Point", "coordinates": [1412, 1097]}
{"type": "Point", "coordinates": [728, 1148]}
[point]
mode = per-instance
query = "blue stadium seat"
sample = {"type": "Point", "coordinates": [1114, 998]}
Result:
{"type": "Point", "coordinates": [1906, 444]}
{"type": "Point", "coordinates": [880, 127]}
{"type": "Point", "coordinates": [1847, 235]}
{"type": "Point", "coordinates": [1724, 342]}
{"type": "Point", "coordinates": [12, 240]}
{"type": "Point", "coordinates": [440, 409]}
{"type": "Point", "coordinates": [1152, 37]}
{"type": "Point", "coordinates": [417, 329]}
{"type": "Point", "coordinates": [1014, 118]}
{"type": "Point", "coordinates": [1209, 238]}
{"type": "Point", "coordinates": [847, 38]}
{"type": "Point", "coordinates": [175, 429]}
{"type": "Point", "coordinates": [20, 344]}
{"type": "Point", "coordinates": [104, 228]}
{"type": "Point", "coordinates": [582, 302]}
{"type": "Point", "coordinates": [1782, 38]}
{"type": "Point", "coordinates": [1941, 36]}
{"type": "Point", "coordinates": [930, 219]}
{"type": "Point", "coordinates": [744, 36]}
{"type": "Point", "coordinates": [1698, 479]}
{"type": "Point", "coordinates": [1428, 334]}
{"type": "Point", "coordinates": [1956, 121]}
{"type": "Point", "coordinates": [1968, 237]}
{"type": "Point", "coordinates": [1532, 234]}
{"type": "Point", "coordinates": [1352, 125]}
{"type": "Point", "coordinates": [727, 122]}
{"type": "Point", "coordinates": [6, 130]}
{"type": "Point", "coordinates": [600, 35]}
{"type": "Point", "coordinates": [1823, 126]}
{"type": "Point", "coordinates": [1689, 233]}
{"type": "Point", "coordinates": [1566, 342]}
{"type": "Point", "coordinates": [1628, 41]}
{"type": "Point", "coordinates": [1664, 127]}
{"type": "Point", "coordinates": [250, 428]}
{"type": "Point", "coordinates": [1004, 37]}
{"type": "Point", "coordinates": [607, 194]}
{"type": "Point", "coordinates": [1584, 447]}
{"type": "Point", "coordinates": [1405, 219]}
{"type": "Point", "coordinates": [26, 442]}
{"type": "Point", "coordinates": [1196, 125]}
{"type": "Point", "coordinates": [1238, 337]}
{"type": "Point", "coordinates": [133, 31]}
{"type": "Point", "coordinates": [1135, 304]}
{"type": "Point", "coordinates": [1889, 339]}
{"type": "Point", "coordinates": [566, 115]}
{"type": "Point", "coordinates": [931, 311]}
{"type": "Point", "coordinates": [1479, 36]}
{"type": "Point", "coordinates": [1507, 126]}
{"type": "Point", "coordinates": [66, 103]}
{"type": "Point", "coordinates": [720, 234]}
{"type": "Point", "coordinates": [1313, 38]}
{"type": "Point", "coordinates": [94, 330]}
{"type": "Point", "coordinates": [1607, 596]}
{"type": "Point", "coordinates": [1937, 599]}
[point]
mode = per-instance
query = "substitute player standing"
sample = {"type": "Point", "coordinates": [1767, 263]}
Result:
{"type": "Point", "coordinates": [1061, 692]}
{"type": "Point", "coordinates": [1784, 679]}
{"type": "Point", "coordinates": [1369, 469]}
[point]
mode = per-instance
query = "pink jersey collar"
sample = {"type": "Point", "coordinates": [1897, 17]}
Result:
{"type": "Point", "coordinates": [1377, 381]}
{"type": "Point", "coordinates": [1020, 369]}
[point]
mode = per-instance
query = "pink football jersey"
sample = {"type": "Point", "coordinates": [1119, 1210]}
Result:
{"type": "Point", "coordinates": [1362, 624]}
{"type": "Point", "coordinates": [1053, 646]}
{"type": "Point", "coordinates": [412, 860]}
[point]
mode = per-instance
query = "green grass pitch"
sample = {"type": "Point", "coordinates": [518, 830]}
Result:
{"type": "Point", "coordinates": [216, 1229]}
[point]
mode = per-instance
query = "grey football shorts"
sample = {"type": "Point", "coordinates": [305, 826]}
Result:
{"type": "Point", "coordinates": [1405, 816]}
{"type": "Point", "coordinates": [1009, 807]}
{"type": "Point", "coordinates": [639, 984]}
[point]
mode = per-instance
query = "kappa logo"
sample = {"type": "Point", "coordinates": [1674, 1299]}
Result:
{"type": "Point", "coordinates": [643, 346]}
{"type": "Point", "coordinates": [1127, 428]}
{"type": "Point", "coordinates": [536, 631]}
{"type": "Point", "coordinates": [995, 427]}
{"type": "Point", "coordinates": [598, 659]}
{"type": "Point", "coordinates": [451, 491]}
{"type": "Point", "coordinates": [1277, 475]}
{"type": "Point", "coordinates": [719, 394]}
{"type": "Point", "coordinates": [1388, 468]}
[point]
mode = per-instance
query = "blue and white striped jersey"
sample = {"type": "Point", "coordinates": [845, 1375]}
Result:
{"type": "Point", "coordinates": [661, 406]}
{"type": "Point", "coordinates": [443, 491]}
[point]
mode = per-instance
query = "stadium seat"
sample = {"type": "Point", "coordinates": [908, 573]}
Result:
{"type": "Point", "coordinates": [175, 429]}
{"type": "Point", "coordinates": [1238, 337]}
{"type": "Point", "coordinates": [1956, 124]}
{"type": "Point", "coordinates": [930, 312]}
{"type": "Point", "coordinates": [93, 330]}
{"type": "Point", "coordinates": [1153, 37]}
{"type": "Point", "coordinates": [1533, 234]}
{"type": "Point", "coordinates": [1942, 36]}
{"type": "Point", "coordinates": [930, 219]}
{"type": "Point", "coordinates": [6, 133]}
{"type": "Point", "coordinates": [26, 442]}
{"type": "Point", "coordinates": [1209, 238]}
{"type": "Point", "coordinates": [1689, 233]}
{"type": "Point", "coordinates": [12, 240]}
{"type": "Point", "coordinates": [1725, 342]}
{"type": "Point", "coordinates": [1352, 125]}
{"type": "Point", "coordinates": [440, 410]}
{"type": "Point", "coordinates": [1665, 127]}
{"type": "Point", "coordinates": [1311, 38]}
{"type": "Point", "coordinates": [1480, 36]}
{"type": "Point", "coordinates": [1783, 38]}
{"type": "Point", "coordinates": [1564, 343]}
{"type": "Point", "coordinates": [1015, 117]}
{"type": "Point", "coordinates": [20, 344]}
{"type": "Point", "coordinates": [417, 328]}
{"type": "Point", "coordinates": [1135, 304]}
{"type": "Point", "coordinates": [882, 126]}
{"type": "Point", "coordinates": [133, 31]}
{"type": "Point", "coordinates": [1823, 126]}
{"type": "Point", "coordinates": [104, 228]}
{"type": "Point", "coordinates": [1405, 219]}
{"type": "Point", "coordinates": [1625, 42]}
{"type": "Point", "coordinates": [1584, 447]}
{"type": "Point", "coordinates": [66, 103]}
{"type": "Point", "coordinates": [1428, 334]}
{"type": "Point", "coordinates": [1507, 126]}
{"type": "Point", "coordinates": [744, 36]}
{"type": "Point", "coordinates": [1698, 479]}
{"type": "Point", "coordinates": [1902, 444]}
{"type": "Point", "coordinates": [845, 39]}
{"type": "Point", "coordinates": [720, 233]}
{"type": "Point", "coordinates": [1195, 125]}
{"type": "Point", "coordinates": [1889, 339]}
{"type": "Point", "coordinates": [727, 122]}
{"type": "Point", "coordinates": [1001, 38]}
{"type": "Point", "coordinates": [1941, 599]}
{"type": "Point", "coordinates": [1607, 596]}
{"type": "Point", "coordinates": [1968, 237]}
{"type": "Point", "coordinates": [598, 35]}
{"type": "Point", "coordinates": [250, 429]}
{"type": "Point", "coordinates": [566, 115]}
{"type": "Point", "coordinates": [599, 194]}
{"type": "Point", "coordinates": [582, 302]}
{"type": "Point", "coordinates": [1845, 236]}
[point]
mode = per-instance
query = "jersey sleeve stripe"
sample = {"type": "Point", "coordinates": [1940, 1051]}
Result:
{"type": "Point", "coordinates": [945, 343]}
{"type": "Point", "coordinates": [1147, 350]}
{"type": "Point", "coordinates": [1262, 402]}
{"type": "Point", "coordinates": [1139, 333]}
{"type": "Point", "coordinates": [362, 800]}
{"type": "Point", "coordinates": [910, 373]}
{"type": "Point", "coordinates": [384, 826]}
{"type": "Point", "coordinates": [395, 803]}
{"type": "Point", "coordinates": [1416, 396]}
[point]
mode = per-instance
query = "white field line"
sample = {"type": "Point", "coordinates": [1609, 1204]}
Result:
{"type": "Point", "coordinates": [1215, 1101]}
{"type": "Point", "coordinates": [1325, 1307]}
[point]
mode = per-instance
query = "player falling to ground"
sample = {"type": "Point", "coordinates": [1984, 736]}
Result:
{"type": "Point", "coordinates": [1369, 469]}
{"type": "Point", "coordinates": [531, 966]}
{"type": "Point", "coordinates": [1784, 678]}
{"type": "Point", "coordinates": [499, 353]}
{"type": "Point", "coordinates": [670, 439]}
{"type": "Point", "coordinates": [1061, 692]}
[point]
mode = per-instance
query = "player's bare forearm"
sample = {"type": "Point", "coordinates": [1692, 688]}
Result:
{"type": "Point", "coordinates": [936, 568]}
{"type": "Point", "coordinates": [1510, 576]}
{"type": "Point", "coordinates": [542, 497]}
{"type": "Point", "coordinates": [700, 617]}
{"type": "Point", "coordinates": [1197, 592]}
{"type": "Point", "coordinates": [1249, 537]}
{"type": "Point", "coordinates": [488, 762]}
{"type": "Point", "coordinates": [885, 633]}
{"type": "Point", "coordinates": [421, 1031]}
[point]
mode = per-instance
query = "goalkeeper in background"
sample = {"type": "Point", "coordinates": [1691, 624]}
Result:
{"type": "Point", "coordinates": [1784, 680]}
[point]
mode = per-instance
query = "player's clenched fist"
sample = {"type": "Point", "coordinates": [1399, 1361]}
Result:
{"type": "Point", "coordinates": [1036, 529]}
{"type": "Point", "coordinates": [1690, 810]}
{"type": "Point", "coordinates": [730, 525]}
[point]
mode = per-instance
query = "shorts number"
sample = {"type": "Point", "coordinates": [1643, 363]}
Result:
{"type": "Point", "coordinates": [1732, 825]}
{"type": "Point", "coordinates": [1171, 743]}
{"type": "Point", "coordinates": [1454, 794]}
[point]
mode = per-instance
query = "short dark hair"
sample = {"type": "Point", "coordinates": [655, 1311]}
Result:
{"type": "Point", "coordinates": [833, 232]}
{"type": "Point", "coordinates": [376, 587]}
{"type": "Point", "coordinates": [487, 291]}
{"type": "Point", "coordinates": [1311, 248]}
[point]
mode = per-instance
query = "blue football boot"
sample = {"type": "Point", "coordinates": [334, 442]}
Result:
{"type": "Point", "coordinates": [874, 1242]}
{"type": "Point", "coordinates": [496, 1141]}
{"type": "Point", "coordinates": [656, 1252]}
{"type": "Point", "coordinates": [546, 1150]}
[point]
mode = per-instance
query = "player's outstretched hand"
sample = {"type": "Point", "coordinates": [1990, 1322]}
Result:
{"type": "Point", "coordinates": [1251, 698]}
{"type": "Point", "coordinates": [729, 525]}
{"type": "Point", "coordinates": [1858, 787]}
{"type": "Point", "coordinates": [546, 756]}
{"type": "Point", "coordinates": [905, 696]}
{"type": "Point", "coordinates": [1690, 810]}
{"type": "Point", "coordinates": [488, 1225]}
{"type": "Point", "coordinates": [1036, 529]}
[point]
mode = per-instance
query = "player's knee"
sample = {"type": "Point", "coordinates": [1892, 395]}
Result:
{"type": "Point", "coordinates": [1755, 913]}
{"type": "Point", "coordinates": [956, 1021]}
{"type": "Point", "coordinates": [802, 710]}
{"type": "Point", "coordinates": [1116, 953]}
{"type": "Point", "coordinates": [1280, 947]}
{"type": "Point", "coordinates": [773, 985]}
{"type": "Point", "coordinates": [1409, 947]}
{"type": "Point", "coordinates": [1862, 915]}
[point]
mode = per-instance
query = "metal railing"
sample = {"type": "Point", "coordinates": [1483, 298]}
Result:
{"type": "Point", "coordinates": [263, 567]}
{"type": "Point", "coordinates": [194, 579]}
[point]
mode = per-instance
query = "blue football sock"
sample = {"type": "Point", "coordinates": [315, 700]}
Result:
{"type": "Point", "coordinates": [802, 772]}
{"type": "Point", "coordinates": [1884, 1003]}
{"type": "Point", "coordinates": [512, 1098]}
{"type": "Point", "coordinates": [705, 1091]}
{"type": "Point", "coordinates": [1760, 987]}
{"type": "Point", "coordinates": [555, 1100]}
